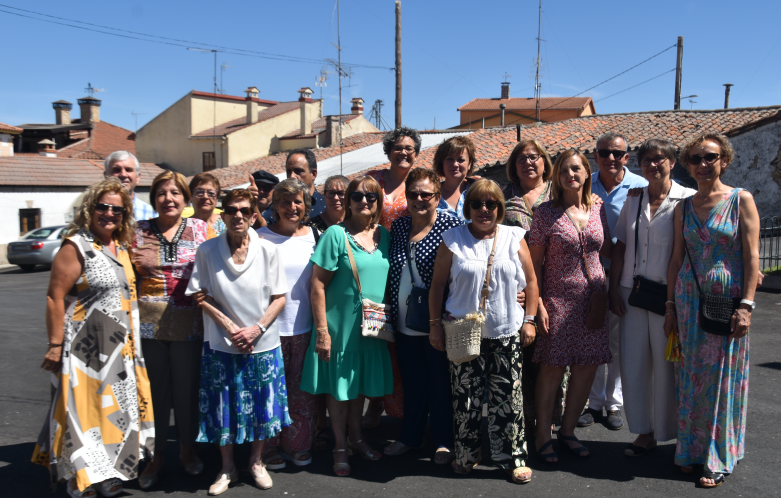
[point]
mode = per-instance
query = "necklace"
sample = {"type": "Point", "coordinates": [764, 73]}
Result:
{"type": "Point", "coordinates": [235, 250]}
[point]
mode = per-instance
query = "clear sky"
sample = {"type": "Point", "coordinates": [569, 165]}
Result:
{"type": "Point", "coordinates": [453, 51]}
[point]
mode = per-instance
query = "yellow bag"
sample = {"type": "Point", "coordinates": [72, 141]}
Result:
{"type": "Point", "coordinates": [673, 351]}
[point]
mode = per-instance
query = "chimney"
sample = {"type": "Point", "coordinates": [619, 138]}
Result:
{"type": "Point", "coordinates": [252, 104]}
{"type": "Point", "coordinates": [62, 112]}
{"type": "Point", "coordinates": [505, 90]}
{"type": "Point", "coordinates": [46, 148]}
{"type": "Point", "coordinates": [357, 107]}
{"type": "Point", "coordinates": [726, 94]}
{"type": "Point", "coordinates": [90, 110]}
{"type": "Point", "coordinates": [305, 97]}
{"type": "Point", "coordinates": [502, 107]}
{"type": "Point", "coordinates": [332, 131]}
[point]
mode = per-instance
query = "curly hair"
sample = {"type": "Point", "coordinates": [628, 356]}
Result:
{"type": "Point", "coordinates": [390, 139]}
{"type": "Point", "coordinates": [557, 190]}
{"type": "Point", "coordinates": [83, 220]}
{"type": "Point", "coordinates": [512, 172]}
{"type": "Point", "coordinates": [291, 186]}
{"type": "Point", "coordinates": [727, 152]}
{"type": "Point", "coordinates": [452, 146]}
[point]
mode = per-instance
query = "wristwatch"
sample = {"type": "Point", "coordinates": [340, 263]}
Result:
{"type": "Point", "coordinates": [751, 304]}
{"type": "Point", "coordinates": [261, 328]}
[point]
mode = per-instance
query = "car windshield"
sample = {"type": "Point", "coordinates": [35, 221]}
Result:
{"type": "Point", "coordinates": [41, 233]}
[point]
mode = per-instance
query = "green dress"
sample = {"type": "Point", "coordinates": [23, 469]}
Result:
{"type": "Point", "coordinates": [358, 365]}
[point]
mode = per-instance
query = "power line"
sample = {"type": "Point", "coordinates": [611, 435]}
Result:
{"type": "Point", "coordinates": [758, 68]}
{"type": "Point", "coordinates": [635, 86]}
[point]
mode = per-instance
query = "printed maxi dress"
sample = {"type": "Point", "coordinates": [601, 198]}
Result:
{"type": "Point", "coordinates": [100, 423]}
{"type": "Point", "coordinates": [712, 377]}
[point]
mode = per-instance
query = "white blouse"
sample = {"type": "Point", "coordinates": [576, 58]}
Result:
{"type": "Point", "coordinates": [655, 237]}
{"type": "Point", "coordinates": [504, 315]}
{"type": "Point", "coordinates": [242, 292]}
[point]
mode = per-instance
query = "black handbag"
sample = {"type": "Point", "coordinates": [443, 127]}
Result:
{"type": "Point", "coordinates": [646, 294]}
{"type": "Point", "coordinates": [417, 318]}
{"type": "Point", "coordinates": [715, 311]}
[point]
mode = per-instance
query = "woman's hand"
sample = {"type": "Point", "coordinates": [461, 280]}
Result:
{"type": "Point", "coordinates": [521, 298]}
{"type": "Point", "coordinates": [596, 199]}
{"type": "Point", "coordinates": [436, 337]}
{"type": "Point", "coordinates": [323, 345]}
{"type": "Point", "coordinates": [51, 360]}
{"type": "Point", "coordinates": [634, 192]}
{"type": "Point", "coordinates": [741, 321]}
{"type": "Point", "coordinates": [200, 296]}
{"type": "Point", "coordinates": [616, 302]}
{"type": "Point", "coordinates": [244, 338]}
{"type": "Point", "coordinates": [542, 318]}
{"type": "Point", "coordinates": [528, 334]}
{"type": "Point", "coordinates": [670, 323]}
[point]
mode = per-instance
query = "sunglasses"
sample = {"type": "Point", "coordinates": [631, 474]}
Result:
{"type": "Point", "coordinates": [199, 192]}
{"type": "Point", "coordinates": [424, 196]}
{"type": "Point", "coordinates": [264, 187]}
{"type": "Point", "coordinates": [334, 193]}
{"type": "Point", "coordinates": [605, 153]}
{"type": "Point", "coordinates": [710, 158]}
{"type": "Point", "coordinates": [102, 207]}
{"type": "Point", "coordinates": [232, 210]}
{"type": "Point", "coordinates": [371, 197]}
{"type": "Point", "coordinates": [489, 205]}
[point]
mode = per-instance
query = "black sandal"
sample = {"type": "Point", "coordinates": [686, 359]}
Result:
{"type": "Point", "coordinates": [545, 456]}
{"type": "Point", "coordinates": [718, 479]}
{"type": "Point", "coordinates": [578, 452]}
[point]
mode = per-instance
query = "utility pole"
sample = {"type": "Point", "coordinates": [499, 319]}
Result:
{"type": "Point", "coordinates": [678, 74]}
{"type": "Point", "coordinates": [726, 94]}
{"type": "Point", "coordinates": [398, 64]}
{"type": "Point", "coordinates": [537, 77]}
{"type": "Point", "coordinates": [214, 120]}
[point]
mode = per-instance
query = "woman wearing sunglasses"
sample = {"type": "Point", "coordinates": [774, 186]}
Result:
{"type": "Point", "coordinates": [424, 370]}
{"type": "Point", "coordinates": [454, 161]}
{"type": "Point", "coordinates": [334, 192]}
{"type": "Point", "coordinates": [171, 328]}
{"type": "Point", "coordinates": [568, 235]}
{"type": "Point", "coordinates": [341, 363]}
{"type": "Point", "coordinates": [92, 327]}
{"type": "Point", "coordinates": [719, 227]}
{"type": "Point", "coordinates": [464, 259]}
{"type": "Point", "coordinates": [240, 283]}
{"type": "Point", "coordinates": [205, 188]}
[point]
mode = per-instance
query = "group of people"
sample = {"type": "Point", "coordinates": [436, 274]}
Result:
{"type": "Point", "coordinates": [252, 323]}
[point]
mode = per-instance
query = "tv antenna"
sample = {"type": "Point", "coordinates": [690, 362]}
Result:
{"type": "Point", "coordinates": [506, 76]}
{"type": "Point", "coordinates": [214, 116]}
{"type": "Point", "coordinates": [135, 115]}
{"type": "Point", "coordinates": [376, 116]}
{"type": "Point", "coordinates": [91, 91]}
{"type": "Point", "coordinates": [224, 67]}
{"type": "Point", "coordinates": [321, 82]}
{"type": "Point", "coordinates": [342, 72]}
{"type": "Point", "coordinates": [537, 89]}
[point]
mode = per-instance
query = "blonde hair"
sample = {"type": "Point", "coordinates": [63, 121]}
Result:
{"type": "Point", "coordinates": [557, 192]}
{"type": "Point", "coordinates": [83, 220]}
{"type": "Point", "coordinates": [482, 188]}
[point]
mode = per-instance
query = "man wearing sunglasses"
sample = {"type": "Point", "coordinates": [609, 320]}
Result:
{"type": "Point", "coordinates": [124, 166]}
{"type": "Point", "coordinates": [611, 183]}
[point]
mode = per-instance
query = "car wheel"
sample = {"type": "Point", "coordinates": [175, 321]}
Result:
{"type": "Point", "coordinates": [27, 267]}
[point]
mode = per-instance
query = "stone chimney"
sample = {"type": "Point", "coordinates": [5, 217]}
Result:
{"type": "Point", "coordinates": [46, 148]}
{"type": "Point", "coordinates": [252, 104]}
{"type": "Point", "coordinates": [505, 90]}
{"type": "Point", "coordinates": [305, 97]}
{"type": "Point", "coordinates": [62, 112]}
{"type": "Point", "coordinates": [332, 131]}
{"type": "Point", "coordinates": [90, 110]}
{"type": "Point", "coordinates": [357, 107]}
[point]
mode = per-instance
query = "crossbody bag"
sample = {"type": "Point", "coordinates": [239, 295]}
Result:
{"type": "Point", "coordinates": [598, 301]}
{"type": "Point", "coordinates": [646, 294]}
{"type": "Point", "coordinates": [417, 317]}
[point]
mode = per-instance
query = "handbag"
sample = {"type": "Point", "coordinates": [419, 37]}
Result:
{"type": "Point", "coordinates": [463, 335]}
{"type": "Point", "coordinates": [715, 310]}
{"type": "Point", "coordinates": [598, 302]}
{"type": "Point", "coordinates": [417, 318]}
{"type": "Point", "coordinates": [375, 322]}
{"type": "Point", "coordinates": [646, 294]}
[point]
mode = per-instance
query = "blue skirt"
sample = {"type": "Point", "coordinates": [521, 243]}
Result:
{"type": "Point", "coordinates": [243, 397]}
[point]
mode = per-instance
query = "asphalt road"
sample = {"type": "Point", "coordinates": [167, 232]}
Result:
{"type": "Point", "coordinates": [24, 400]}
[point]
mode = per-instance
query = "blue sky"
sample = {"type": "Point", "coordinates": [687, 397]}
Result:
{"type": "Point", "coordinates": [452, 52]}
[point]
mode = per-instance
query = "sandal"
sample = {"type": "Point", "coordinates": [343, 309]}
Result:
{"type": "Point", "coordinates": [443, 456]}
{"type": "Point", "coordinates": [321, 439]}
{"type": "Point", "coordinates": [104, 488]}
{"type": "Point", "coordinates": [464, 469]}
{"type": "Point", "coordinates": [295, 457]}
{"type": "Point", "coordinates": [89, 491]}
{"type": "Point", "coordinates": [520, 475]}
{"type": "Point", "coordinates": [716, 477]}
{"type": "Point", "coordinates": [578, 452]}
{"type": "Point", "coordinates": [342, 469]}
{"type": "Point", "coordinates": [369, 454]}
{"type": "Point", "coordinates": [633, 450]}
{"type": "Point", "coordinates": [546, 456]}
{"type": "Point", "coordinates": [267, 459]}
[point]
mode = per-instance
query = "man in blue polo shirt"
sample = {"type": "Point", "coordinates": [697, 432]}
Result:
{"type": "Point", "coordinates": [612, 183]}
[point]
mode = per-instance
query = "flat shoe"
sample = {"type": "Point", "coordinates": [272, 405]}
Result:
{"type": "Point", "coordinates": [633, 450]}
{"type": "Point", "coordinates": [588, 417]}
{"type": "Point", "coordinates": [520, 475]}
{"type": "Point", "coordinates": [398, 448]}
{"type": "Point", "coordinates": [104, 488]}
{"type": "Point", "coordinates": [272, 466]}
{"type": "Point", "coordinates": [295, 458]}
{"type": "Point", "coordinates": [261, 477]}
{"type": "Point", "coordinates": [443, 456]}
{"type": "Point", "coordinates": [193, 469]}
{"type": "Point", "coordinates": [614, 420]}
{"type": "Point", "coordinates": [146, 482]}
{"type": "Point", "coordinates": [89, 491]}
{"type": "Point", "coordinates": [223, 481]}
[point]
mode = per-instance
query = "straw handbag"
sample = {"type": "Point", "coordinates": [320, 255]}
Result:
{"type": "Point", "coordinates": [375, 322]}
{"type": "Point", "coordinates": [463, 335]}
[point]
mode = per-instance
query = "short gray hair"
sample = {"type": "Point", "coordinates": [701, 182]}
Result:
{"type": "Point", "coordinates": [119, 155]}
{"type": "Point", "coordinates": [611, 135]}
{"type": "Point", "coordinates": [390, 139]}
{"type": "Point", "coordinates": [291, 186]}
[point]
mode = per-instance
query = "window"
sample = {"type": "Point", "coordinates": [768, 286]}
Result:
{"type": "Point", "coordinates": [29, 219]}
{"type": "Point", "coordinates": [208, 161]}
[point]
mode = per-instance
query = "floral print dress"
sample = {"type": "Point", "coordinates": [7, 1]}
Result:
{"type": "Point", "coordinates": [712, 377]}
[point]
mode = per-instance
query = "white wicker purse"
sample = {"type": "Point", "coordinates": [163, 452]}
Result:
{"type": "Point", "coordinates": [463, 335]}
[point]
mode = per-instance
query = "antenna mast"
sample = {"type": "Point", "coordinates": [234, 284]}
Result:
{"type": "Point", "coordinates": [537, 77]}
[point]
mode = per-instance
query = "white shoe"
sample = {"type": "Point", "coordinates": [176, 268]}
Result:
{"type": "Point", "coordinates": [223, 481]}
{"type": "Point", "coordinates": [262, 479]}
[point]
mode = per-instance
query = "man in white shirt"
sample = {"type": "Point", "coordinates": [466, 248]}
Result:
{"type": "Point", "coordinates": [124, 166]}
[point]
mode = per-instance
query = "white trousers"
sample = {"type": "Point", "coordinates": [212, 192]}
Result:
{"type": "Point", "coordinates": [649, 379]}
{"type": "Point", "coordinates": [606, 390]}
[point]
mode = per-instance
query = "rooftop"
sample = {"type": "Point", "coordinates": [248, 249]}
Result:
{"type": "Point", "coordinates": [240, 123]}
{"type": "Point", "coordinates": [10, 129]}
{"type": "Point", "coordinates": [528, 104]}
{"type": "Point", "coordinates": [318, 126]}
{"type": "Point", "coordinates": [39, 171]}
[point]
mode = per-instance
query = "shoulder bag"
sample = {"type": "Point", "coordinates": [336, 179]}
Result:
{"type": "Point", "coordinates": [646, 294]}
{"type": "Point", "coordinates": [417, 302]}
{"type": "Point", "coordinates": [463, 335]}
{"type": "Point", "coordinates": [374, 320]}
{"type": "Point", "coordinates": [715, 310]}
{"type": "Point", "coordinates": [598, 302]}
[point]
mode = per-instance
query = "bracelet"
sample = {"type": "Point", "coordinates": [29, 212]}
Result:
{"type": "Point", "coordinates": [670, 312]}
{"type": "Point", "coordinates": [321, 328]}
{"type": "Point", "coordinates": [669, 302]}
{"type": "Point", "coordinates": [52, 345]}
{"type": "Point", "coordinates": [434, 320]}
{"type": "Point", "coordinates": [529, 318]}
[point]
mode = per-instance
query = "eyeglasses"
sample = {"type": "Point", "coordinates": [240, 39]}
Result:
{"type": "Point", "coordinates": [532, 158]}
{"type": "Point", "coordinates": [605, 153]}
{"type": "Point", "coordinates": [232, 210]}
{"type": "Point", "coordinates": [102, 207]}
{"type": "Point", "coordinates": [710, 158]}
{"type": "Point", "coordinates": [647, 161]}
{"type": "Point", "coordinates": [264, 187]}
{"type": "Point", "coordinates": [408, 150]}
{"type": "Point", "coordinates": [334, 193]}
{"type": "Point", "coordinates": [424, 196]}
{"type": "Point", "coordinates": [489, 205]}
{"type": "Point", "coordinates": [199, 192]}
{"type": "Point", "coordinates": [358, 196]}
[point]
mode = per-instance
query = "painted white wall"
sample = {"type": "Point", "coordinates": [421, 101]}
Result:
{"type": "Point", "coordinates": [757, 167]}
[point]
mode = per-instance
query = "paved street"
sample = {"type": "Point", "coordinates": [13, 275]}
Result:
{"type": "Point", "coordinates": [24, 394]}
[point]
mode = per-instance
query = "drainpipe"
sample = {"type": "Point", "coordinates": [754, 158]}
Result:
{"type": "Point", "coordinates": [502, 107]}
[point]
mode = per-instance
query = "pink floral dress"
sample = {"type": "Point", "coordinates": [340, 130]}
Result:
{"type": "Point", "coordinates": [712, 377]}
{"type": "Point", "coordinates": [566, 290]}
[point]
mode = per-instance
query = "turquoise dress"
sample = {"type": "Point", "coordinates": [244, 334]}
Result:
{"type": "Point", "coordinates": [358, 365]}
{"type": "Point", "coordinates": [712, 378]}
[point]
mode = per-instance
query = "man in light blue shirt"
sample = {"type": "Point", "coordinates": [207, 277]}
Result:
{"type": "Point", "coordinates": [124, 166]}
{"type": "Point", "coordinates": [612, 183]}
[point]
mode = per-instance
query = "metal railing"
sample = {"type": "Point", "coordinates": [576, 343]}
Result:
{"type": "Point", "coordinates": [770, 243]}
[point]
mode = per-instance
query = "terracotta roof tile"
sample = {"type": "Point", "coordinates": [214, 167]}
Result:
{"type": "Point", "coordinates": [7, 127]}
{"type": "Point", "coordinates": [105, 138]}
{"type": "Point", "coordinates": [241, 123]}
{"type": "Point", "coordinates": [526, 104]}
{"type": "Point", "coordinates": [318, 126]}
{"type": "Point", "coordinates": [52, 171]}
